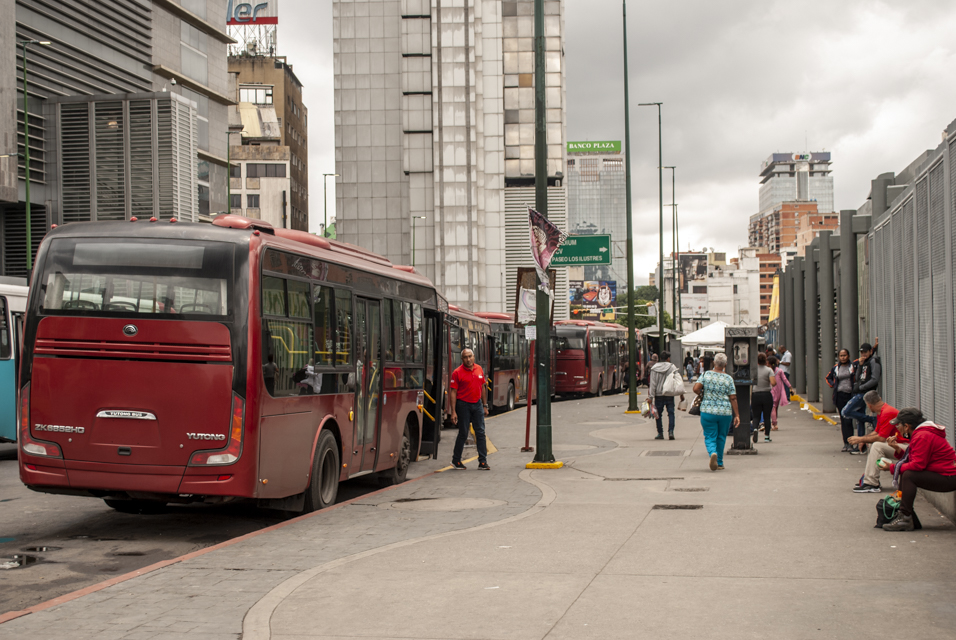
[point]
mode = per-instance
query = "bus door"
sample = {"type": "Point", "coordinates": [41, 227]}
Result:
{"type": "Point", "coordinates": [432, 393]}
{"type": "Point", "coordinates": [368, 388]}
{"type": "Point", "coordinates": [8, 375]}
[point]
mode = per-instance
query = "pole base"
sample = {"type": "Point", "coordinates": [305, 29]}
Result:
{"type": "Point", "coordinates": [629, 411]}
{"type": "Point", "coordinates": [544, 465]}
{"type": "Point", "coordinates": [741, 452]}
{"type": "Point", "coordinates": [527, 448]}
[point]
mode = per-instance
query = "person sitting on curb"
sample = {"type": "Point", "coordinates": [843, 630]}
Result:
{"type": "Point", "coordinates": [655, 392]}
{"type": "Point", "coordinates": [870, 483]}
{"type": "Point", "coordinates": [929, 463]}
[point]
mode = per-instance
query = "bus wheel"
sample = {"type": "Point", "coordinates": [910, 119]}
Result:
{"type": "Point", "coordinates": [511, 396]}
{"type": "Point", "coordinates": [600, 391]}
{"type": "Point", "coordinates": [396, 475]}
{"type": "Point", "coordinates": [135, 506]}
{"type": "Point", "coordinates": [324, 485]}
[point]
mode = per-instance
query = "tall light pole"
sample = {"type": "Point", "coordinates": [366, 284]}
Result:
{"type": "Point", "coordinates": [674, 249]}
{"type": "Point", "coordinates": [233, 128]}
{"type": "Point", "coordinates": [631, 334]}
{"type": "Point", "coordinates": [414, 218]}
{"type": "Point", "coordinates": [325, 203]}
{"type": "Point", "coordinates": [26, 146]}
{"type": "Point", "coordinates": [660, 175]}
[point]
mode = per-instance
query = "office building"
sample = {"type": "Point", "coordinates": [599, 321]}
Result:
{"type": "Point", "coordinates": [127, 115]}
{"type": "Point", "coordinates": [597, 203]}
{"type": "Point", "coordinates": [268, 85]}
{"type": "Point", "coordinates": [434, 123]}
{"type": "Point", "coordinates": [260, 180]}
{"type": "Point", "coordinates": [786, 177]}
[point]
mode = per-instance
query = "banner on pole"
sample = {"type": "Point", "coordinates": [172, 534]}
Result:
{"type": "Point", "coordinates": [545, 240]}
{"type": "Point", "coordinates": [526, 295]}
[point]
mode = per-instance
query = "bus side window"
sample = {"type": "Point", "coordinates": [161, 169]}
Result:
{"type": "Point", "coordinates": [409, 332]}
{"type": "Point", "coordinates": [5, 340]}
{"type": "Point", "coordinates": [322, 317]}
{"type": "Point", "coordinates": [399, 330]}
{"type": "Point", "coordinates": [343, 327]}
{"type": "Point", "coordinates": [417, 331]}
{"type": "Point", "coordinates": [287, 366]}
{"type": "Point", "coordinates": [388, 334]}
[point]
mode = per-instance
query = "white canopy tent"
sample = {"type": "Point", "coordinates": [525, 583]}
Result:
{"type": "Point", "coordinates": [710, 336]}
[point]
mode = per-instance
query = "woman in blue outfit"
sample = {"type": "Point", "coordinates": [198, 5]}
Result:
{"type": "Point", "coordinates": [718, 409]}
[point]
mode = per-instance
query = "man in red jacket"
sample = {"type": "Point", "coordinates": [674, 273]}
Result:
{"type": "Point", "coordinates": [929, 463]}
{"type": "Point", "coordinates": [469, 408]}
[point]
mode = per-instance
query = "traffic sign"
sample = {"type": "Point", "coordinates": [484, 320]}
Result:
{"type": "Point", "coordinates": [583, 250]}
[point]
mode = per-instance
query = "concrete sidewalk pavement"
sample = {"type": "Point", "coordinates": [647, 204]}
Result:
{"type": "Point", "coordinates": [634, 536]}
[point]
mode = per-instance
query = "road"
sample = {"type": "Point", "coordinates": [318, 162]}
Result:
{"type": "Point", "coordinates": [69, 542]}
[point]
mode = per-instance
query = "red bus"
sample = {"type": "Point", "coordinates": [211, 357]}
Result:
{"type": "Point", "coordinates": [509, 361]}
{"type": "Point", "coordinates": [175, 362]}
{"type": "Point", "coordinates": [465, 330]}
{"type": "Point", "coordinates": [591, 357]}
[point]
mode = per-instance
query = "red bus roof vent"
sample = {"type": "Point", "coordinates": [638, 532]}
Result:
{"type": "Point", "coordinates": [231, 221]}
{"type": "Point", "coordinates": [304, 237]}
{"type": "Point", "coordinates": [406, 268]}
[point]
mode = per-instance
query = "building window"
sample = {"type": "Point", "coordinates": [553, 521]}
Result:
{"type": "Point", "coordinates": [235, 201]}
{"type": "Point", "coordinates": [196, 6]}
{"type": "Point", "coordinates": [252, 201]}
{"type": "Point", "coordinates": [265, 171]}
{"type": "Point", "coordinates": [700, 289]}
{"type": "Point", "coordinates": [204, 199]}
{"type": "Point", "coordinates": [193, 51]}
{"type": "Point", "coordinates": [203, 174]}
{"type": "Point", "coordinates": [735, 288]}
{"type": "Point", "coordinates": [235, 171]}
{"type": "Point", "coordinates": [256, 95]}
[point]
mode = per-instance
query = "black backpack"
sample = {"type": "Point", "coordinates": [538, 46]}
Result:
{"type": "Point", "coordinates": [886, 510]}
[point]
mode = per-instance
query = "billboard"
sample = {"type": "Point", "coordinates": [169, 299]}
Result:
{"type": "Point", "coordinates": [249, 13]}
{"type": "Point", "coordinates": [599, 146]}
{"type": "Point", "coordinates": [592, 299]}
{"type": "Point", "coordinates": [692, 271]}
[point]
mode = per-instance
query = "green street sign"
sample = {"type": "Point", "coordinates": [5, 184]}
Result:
{"type": "Point", "coordinates": [599, 146]}
{"type": "Point", "coordinates": [583, 250]}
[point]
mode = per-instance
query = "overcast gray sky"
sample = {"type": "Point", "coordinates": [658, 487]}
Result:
{"type": "Point", "coordinates": [869, 81]}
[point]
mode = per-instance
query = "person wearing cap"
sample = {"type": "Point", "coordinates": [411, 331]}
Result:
{"type": "Point", "coordinates": [929, 463]}
{"type": "Point", "coordinates": [876, 441]}
{"type": "Point", "coordinates": [869, 371]}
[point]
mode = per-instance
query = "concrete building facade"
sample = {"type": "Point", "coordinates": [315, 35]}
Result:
{"type": "Point", "coordinates": [261, 169]}
{"type": "Point", "coordinates": [270, 82]}
{"type": "Point", "coordinates": [107, 135]}
{"type": "Point", "coordinates": [434, 122]}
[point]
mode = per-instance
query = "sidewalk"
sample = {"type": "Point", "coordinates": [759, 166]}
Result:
{"type": "Point", "coordinates": [634, 536]}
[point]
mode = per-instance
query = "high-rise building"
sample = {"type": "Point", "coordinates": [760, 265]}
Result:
{"type": "Point", "coordinates": [597, 203]}
{"type": "Point", "coordinates": [434, 123]}
{"type": "Point", "coordinates": [786, 177]}
{"type": "Point", "coordinates": [267, 84]}
{"type": "Point", "coordinates": [127, 114]}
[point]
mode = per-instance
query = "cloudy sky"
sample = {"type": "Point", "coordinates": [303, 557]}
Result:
{"type": "Point", "coordinates": [867, 80]}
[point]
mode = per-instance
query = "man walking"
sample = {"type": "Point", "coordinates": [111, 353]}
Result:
{"type": "Point", "coordinates": [784, 365]}
{"type": "Point", "coordinates": [469, 408]}
{"type": "Point", "coordinates": [869, 373]}
{"type": "Point", "coordinates": [877, 441]}
{"type": "Point", "coordinates": [656, 393]}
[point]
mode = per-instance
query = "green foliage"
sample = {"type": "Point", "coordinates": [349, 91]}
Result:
{"type": "Point", "coordinates": [647, 292]}
{"type": "Point", "coordinates": [641, 319]}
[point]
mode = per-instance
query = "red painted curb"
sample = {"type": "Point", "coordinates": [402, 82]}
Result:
{"type": "Point", "coordinates": [73, 595]}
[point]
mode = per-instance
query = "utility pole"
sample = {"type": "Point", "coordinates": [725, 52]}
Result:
{"type": "Point", "coordinates": [543, 455]}
{"type": "Point", "coordinates": [660, 193]}
{"type": "Point", "coordinates": [631, 333]}
{"type": "Point", "coordinates": [674, 248]}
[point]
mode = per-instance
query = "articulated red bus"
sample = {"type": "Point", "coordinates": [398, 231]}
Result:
{"type": "Point", "coordinates": [176, 362]}
{"type": "Point", "coordinates": [465, 330]}
{"type": "Point", "coordinates": [591, 357]}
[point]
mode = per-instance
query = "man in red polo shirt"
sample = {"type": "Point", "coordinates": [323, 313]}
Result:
{"type": "Point", "coordinates": [876, 441]}
{"type": "Point", "coordinates": [468, 408]}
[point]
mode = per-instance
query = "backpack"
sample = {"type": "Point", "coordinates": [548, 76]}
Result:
{"type": "Point", "coordinates": [887, 508]}
{"type": "Point", "coordinates": [673, 384]}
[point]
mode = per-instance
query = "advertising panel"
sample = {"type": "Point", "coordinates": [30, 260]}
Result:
{"type": "Point", "coordinates": [592, 299]}
{"type": "Point", "coordinates": [692, 271]}
{"type": "Point", "coordinates": [249, 13]}
{"type": "Point", "coordinates": [599, 146]}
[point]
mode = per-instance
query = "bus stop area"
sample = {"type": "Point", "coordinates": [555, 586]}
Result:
{"type": "Point", "coordinates": [633, 536]}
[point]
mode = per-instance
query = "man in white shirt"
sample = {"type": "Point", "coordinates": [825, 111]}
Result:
{"type": "Point", "coordinates": [785, 359]}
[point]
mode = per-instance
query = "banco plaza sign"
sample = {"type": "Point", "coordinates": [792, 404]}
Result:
{"type": "Point", "coordinates": [599, 146]}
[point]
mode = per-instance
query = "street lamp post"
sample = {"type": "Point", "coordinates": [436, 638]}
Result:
{"type": "Point", "coordinates": [660, 175]}
{"type": "Point", "coordinates": [26, 146]}
{"type": "Point", "coordinates": [325, 203]}
{"type": "Point", "coordinates": [675, 250]}
{"type": "Point", "coordinates": [631, 335]}
{"type": "Point", "coordinates": [414, 218]}
{"type": "Point", "coordinates": [233, 128]}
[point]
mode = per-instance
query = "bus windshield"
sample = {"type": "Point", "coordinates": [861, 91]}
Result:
{"type": "Point", "coordinates": [157, 277]}
{"type": "Point", "coordinates": [563, 343]}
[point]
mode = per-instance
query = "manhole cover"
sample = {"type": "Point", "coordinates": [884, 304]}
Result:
{"type": "Point", "coordinates": [663, 453]}
{"type": "Point", "coordinates": [678, 506]}
{"type": "Point", "coordinates": [443, 504]}
{"type": "Point", "coordinates": [572, 447]}
{"type": "Point", "coordinates": [17, 561]}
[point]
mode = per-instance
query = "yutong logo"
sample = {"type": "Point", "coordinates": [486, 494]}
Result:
{"type": "Point", "coordinates": [59, 428]}
{"type": "Point", "coordinates": [205, 436]}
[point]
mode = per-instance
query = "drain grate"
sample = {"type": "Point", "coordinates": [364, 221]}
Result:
{"type": "Point", "coordinates": [691, 489]}
{"type": "Point", "coordinates": [638, 479]}
{"type": "Point", "coordinates": [413, 499]}
{"type": "Point", "coordinates": [679, 506]}
{"type": "Point", "coordinates": [664, 453]}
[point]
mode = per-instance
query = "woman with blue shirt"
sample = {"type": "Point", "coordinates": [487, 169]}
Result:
{"type": "Point", "coordinates": [718, 409]}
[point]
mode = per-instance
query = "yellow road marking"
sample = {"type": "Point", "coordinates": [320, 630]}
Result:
{"type": "Point", "coordinates": [817, 414]}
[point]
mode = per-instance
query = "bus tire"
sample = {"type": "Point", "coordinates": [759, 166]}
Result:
{"type": "Point", "coordinates": [397, 474]}
{"type": "Point", "coordinates": [511, 397]}
{"type": "Point", "coordinates": [135, 506]}
{"type": "Point", "coordinates": [324, 483]}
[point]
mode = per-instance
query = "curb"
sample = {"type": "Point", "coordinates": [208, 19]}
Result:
{"type": "Point", "coordinates": [817, 414]}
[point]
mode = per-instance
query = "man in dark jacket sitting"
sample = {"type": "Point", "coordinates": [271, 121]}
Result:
{"type": "Point", "coordinates": [869, 373]}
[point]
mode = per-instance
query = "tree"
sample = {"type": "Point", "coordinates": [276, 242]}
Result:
{"type": "Point", "coordinates": [642, 317]}
{"type": "Point", "coordinates": [646, 292]}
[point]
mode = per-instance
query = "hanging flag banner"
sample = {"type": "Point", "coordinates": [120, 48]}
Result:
{"type": "Point", "coordinates": [545, 240]}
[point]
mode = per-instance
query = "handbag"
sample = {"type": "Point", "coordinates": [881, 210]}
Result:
{"type": "Point", "coordinates": [682, 405]}
{"type": "Point", "coordinates": [673, 384]}
{"type": "Point", "coordinates": [695, 407]}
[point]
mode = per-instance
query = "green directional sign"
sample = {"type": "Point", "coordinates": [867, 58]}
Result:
{"type": "Point", "coordinates": [583, 250]}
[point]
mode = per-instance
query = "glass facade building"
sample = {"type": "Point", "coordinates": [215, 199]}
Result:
{"type": "Point", "coordinates": [597, 205]}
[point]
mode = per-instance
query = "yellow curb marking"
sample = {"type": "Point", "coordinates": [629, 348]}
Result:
{"type": "Point", "coordinates": [491, 449]}
{"type": "Point", "coordinates": [544, 465]}
{"type": "Point", "coordinates": [817, 414]}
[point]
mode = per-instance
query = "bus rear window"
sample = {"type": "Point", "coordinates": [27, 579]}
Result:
{"type": "Point", "coordinates": [141, 277]}
{"type": "Point", "coordinates": [563, 343]}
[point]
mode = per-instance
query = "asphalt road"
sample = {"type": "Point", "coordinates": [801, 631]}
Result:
{"type": "Point", "coordinates": [71, 542]}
